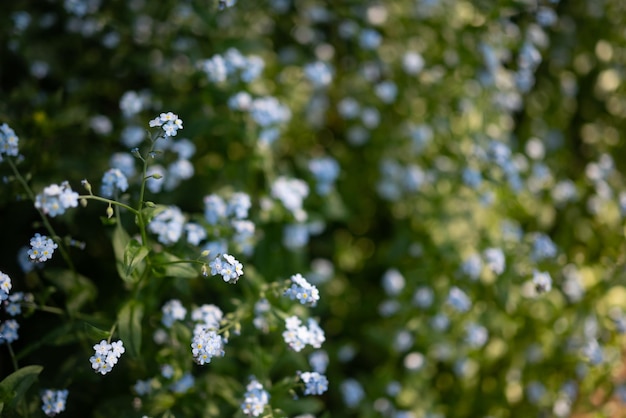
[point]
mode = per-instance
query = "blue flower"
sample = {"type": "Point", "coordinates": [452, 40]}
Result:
{"type": "Point", "coordinates": [319, 73]}
{"type": "Point", "coordinates": [472, 266]}
{"type": "Point", "coordinates": [494, 260]}
{"type": "Point", "coordinates": [42, 248]}
{"type": "Point", "coordinates": [169, 122]}
{"type": "Point", "coordinates": [423, 297]}
{"type": "Point", "coordinates": [214, 208]}
{"type": "Point", "coordinates": [326, 171]}
{"type": "Point", "coordinates": [267, 111]}
{"type": "Point", "coordinates": [369, 39]}
{"type": "Point", "coordinates": [8, 331]}
{"type": "Point", "coordinates": [298, 336]}
{"type": "Point", "coordinates": [393, 282]}
{"type": "Point", "coordinates": [143, 387]}
{"type": "Point", "coordinates": [315, 383]}
{"type": "Point", "coordinates": [476, 335]}
{"type": "Point", "coordinates": [183, 384]}
{"type": "Point", "coordinates": [319, 361]}
{"type": "Point", "coordinates": [168, 225]}
{"type": "Point", "coordinates": [291, 192]}
{"type": "Point", "coordinates": [302, 290]}
{"type": "Point", "coordinates": [205, 345]}
{"type": "Point", "coordinates": [228, 267]}
{"type": "Point", "coordinates": [238, 205]}
{"type": "Point", "coordinates": [195, 233]}
{"type": "Point", "coordinates": [352, 392]}
{"type": "Point", "coordinates": [543, 247]}
{"type": "Point", "coordinates": [209, 316]}
{"type": "Point", "coordinates": [173, 310]}
{"type": "Point", "coordinates": [459, 300]}
{"type": "Point", "coordinates": [255, 398]}
{"type": "Point", "coordinates": [8, 141]}
{"type": "Point", "coordinates": [5, 286]}
{"type": "Point", "coordinates": [113, 180]}
{"type": "Point", "coordinates": [53, 401]}
{"type": "Point", "coordinates": [55, 199]}
{"type": "Point", "coordinates": [106, 356]}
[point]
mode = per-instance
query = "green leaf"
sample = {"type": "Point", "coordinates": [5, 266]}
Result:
{"type": "Point", "coordinates": [15, 385]}
{"type": "Point", "coordinates": [120, 241]}
{"type": "Point", "coordinates": [129, 325]}
{"type": "Point", "coordinates": [134, 253]}
{"type": "Point", "coordinates": [78, 288]}
{"type": "Point", "coordinates": [95, 333]}
{"type": "Point", "coordinates": [169, 265]}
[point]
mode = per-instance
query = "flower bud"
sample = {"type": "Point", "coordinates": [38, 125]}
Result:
{"type": "Point", "coordinates": [109, 212]}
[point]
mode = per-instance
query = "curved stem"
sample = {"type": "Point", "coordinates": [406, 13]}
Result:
{"type": "Point", "coordinates": [109, 201]}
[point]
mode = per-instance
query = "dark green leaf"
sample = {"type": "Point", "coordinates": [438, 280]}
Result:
{"type": "Point", "coordinates": [129, 324]}
{"type": "Point", "coordinates": [17, 383]}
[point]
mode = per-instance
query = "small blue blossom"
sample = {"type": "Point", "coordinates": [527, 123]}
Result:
{"type": "Point", "coordinates": [205, 345]}
{"type": "Point", "coordinates": [319, 73]}
{"type": "Point", "coordinates": [124, 162]}
{"type": "Point", "coordinates": [349, 108]}
{"type": "Point", "coordinates": [42, 248]}
{"type": "Point", "coordinates": [291, 192]}
{"type": "Point", "coordinates": [195, 233]}
{"type": "Point", "coordinates": [55, 199]}
{"type": "Point", "coordinates": [8, 141]}
{"type": "Point", "coordinates": [228, 267]}
{"type": "Point", "coordinates": [593, 352]}
{"type": "Point", "coordinates": [240, 101]}
{"type": "Point", "coordinates": [267, 111]}
{"type": "Point", "coordinates": [423, 297]}
{"type": "Point", "coordinates": [352, 392]}
{"type": "Point", "coordinates": [214, 208]}
{"type": "Point", "coordinates": [216, 247]}
{"type": "Point", "coordinates": [494, 260]}
{"type": "Point", "coordinates": [53, 401]}
{"type": "Point", "coordinates": [243, 236]}
{"type": "Point", "coordinates": [370, 39]}
{"type": "Point", "coordinates": [302, 291]}
{"type": "Point", "coordinates": [169, 122]}
{"type": "Point", "coordinates": [255, 398]}
{"type": "Point", "coordinates": [459, 300]}
{"type": "Point", "coordinates": [168, 225]}
{"type": "Point", "coordinates": [8, 331]}
{"type": "Point", "coordinates": [143, 387]}
{"type": "Point", "coordinates": [440, 322]}
{"type": "Point", "coordinates": [106, 356]}
{"type": "Point", "coordinates": [315, 383]}
{"type": "Point", "coordinates": [298, 336]}
{"type": "Point", "coordinates": [5, 286]}
{"type": "Point", "coordinates": [326, 171]}
{"type": "Point", "coordinates": [209, 316]}
{"type": "Point", "coordinates": [535, 391]}
{"type": "Point", "coordinates": [319, 361]}
{"type": "Point", "coordinates": [238, 205]}
{"type": "Point", "coordinates": [133, 135]}
{"type": "Point", "coordinates": [173, 310]}
{"type": "Point", "coordinates": [476, 335]}
{"type": "Point", "coordinates": [387, 91]}
{"type": "Point", "coordinates": [295, 236]}
{"type": "Point", "coordinates": [472, 266]}
{"type": "Point", "coordinates": [253, 68]}
{"type": "Point", "coordinates": [131, 103]}
{"type": "Point", "coordinates": [412, 63]}
{"type": "Point", "coordinates": [184, 148]}
{"type": "Point", "coordinates": [112, 181]}
{"type": "Point", "coordinates": [178, 171]}
{"type": "Point", "coordinates": [543, 247]}
{"type": "Point", "coordinates": [183, 384]}
{"type": "Point", "coordinates": [167, 371]}
{"type": "Point", "coordinates": [393, 282]}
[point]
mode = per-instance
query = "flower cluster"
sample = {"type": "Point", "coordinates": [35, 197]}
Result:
{"type": "Point", "coordinates": [298, 336]}
{"type": "Point", "coordinates": [106, 356]}
{"type": "Point", "coordinates": [55, 199]}
{"type": "Point", "coordinates": [113, 180]}
{"type": "Point", "coordinates": [302, 290]}
{"type": "Point", "coordinates": [325, 170]}
{"type": "Point", "coordinates": [168, 225]}
{"type": "Point", "coordinates": [173, 311]}
{"type": "Point", "coordinates": [8, 141]}
{"type": "Point", "coordinates": [315, 383]}
{"type": "Point", "coordinates": [169, 122]}
{"type": "Point", "coordinates": [205, 345]}
{"type": "Point", "coordinates": [5, 286]}
{"type": "Point", "coordinates": [53, 401]}
{"type": "Point", "coordinates": [219, 68]}
{"type": "Point", "coordinates": [228, 267]}
{"type": "Point", "coordinates": [8, 331]}
{"type": "Point", "coordinates": [42, 248]}
{"type": "Point", "coordinates": [255, 398]}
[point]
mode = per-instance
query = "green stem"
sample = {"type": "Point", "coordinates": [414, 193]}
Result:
{"type": "Point", "coordinates": [13, 359]}
{"type": "Point", "coordinates": [43, 216]}
{"type": "Point", "coordinates": [110, 202]}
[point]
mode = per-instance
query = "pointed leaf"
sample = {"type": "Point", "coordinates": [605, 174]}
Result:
{"type": "Point", "coordinates": [169, 265]}
{"type": "Point", "coordinates": [134, 253]}
{"type": "Point", "coordinates": [129, 324]}
{"type": "Point", "coordinates": [17, 383]}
